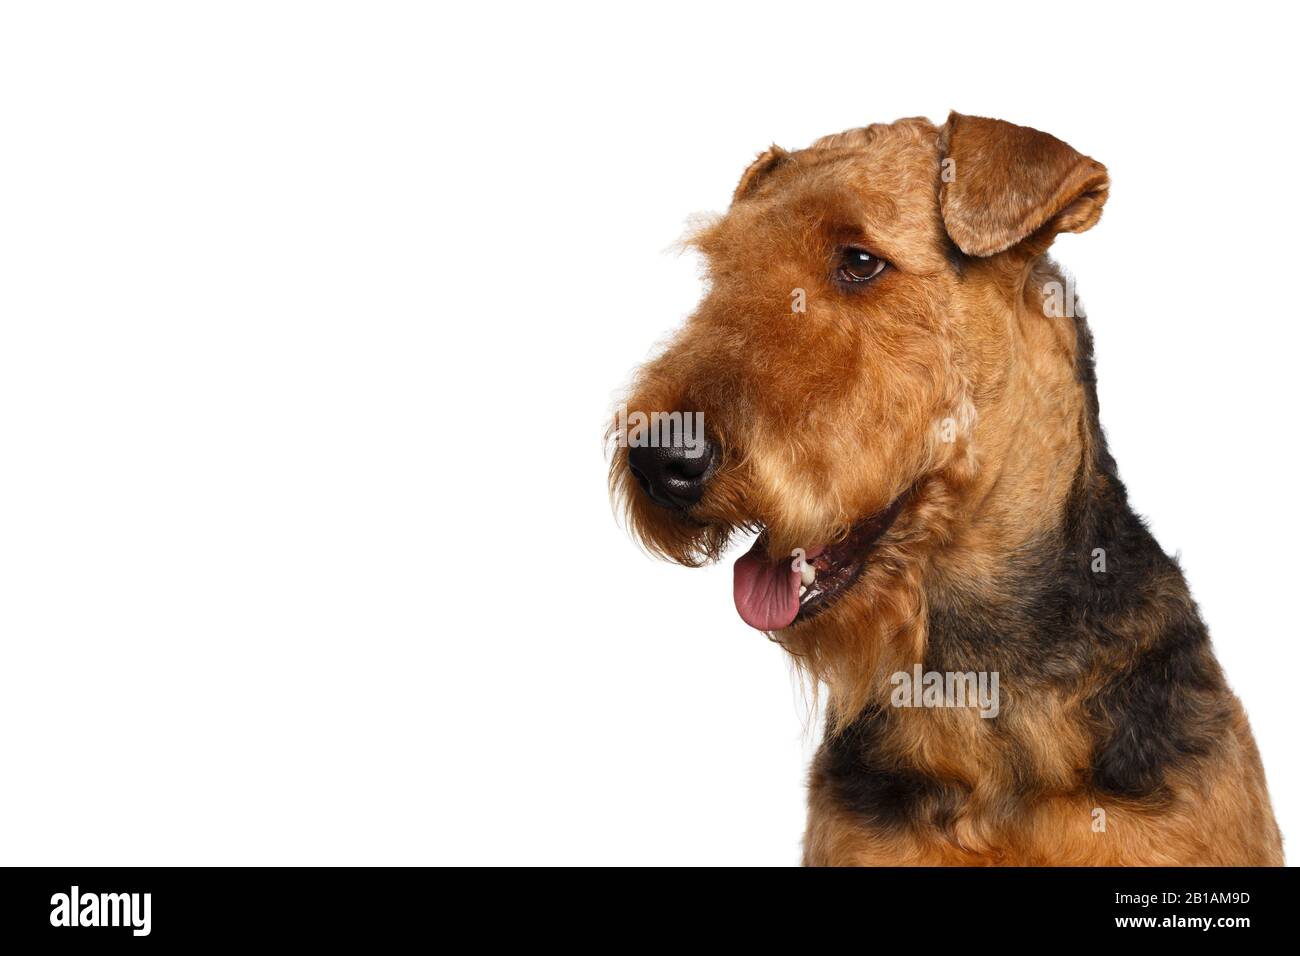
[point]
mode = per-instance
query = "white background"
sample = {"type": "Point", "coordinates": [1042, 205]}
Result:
{"type": "Point", "coordinates": [311, 317]}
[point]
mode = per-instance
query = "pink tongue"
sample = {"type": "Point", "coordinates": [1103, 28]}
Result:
{"type": "Point", "coordinates": [767, 592]}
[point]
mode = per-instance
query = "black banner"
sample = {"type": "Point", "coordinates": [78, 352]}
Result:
{"type": "Point", "coordinates": [137, 906]}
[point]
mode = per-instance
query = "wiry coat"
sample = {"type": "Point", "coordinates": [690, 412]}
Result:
{"type": "Point", "coordinates": [949, 384]}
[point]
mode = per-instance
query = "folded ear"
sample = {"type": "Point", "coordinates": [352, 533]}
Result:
{"type": "Point", "coordinates": [1002, 183]}
{"type": "Point", "coordinates": [767, 162]}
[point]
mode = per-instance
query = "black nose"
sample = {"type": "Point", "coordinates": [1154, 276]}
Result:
{"type": "Point", "coordinates": [673, 475]}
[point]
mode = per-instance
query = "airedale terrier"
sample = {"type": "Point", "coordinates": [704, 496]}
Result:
{"type": "Point", "coordinates": [896, 395]}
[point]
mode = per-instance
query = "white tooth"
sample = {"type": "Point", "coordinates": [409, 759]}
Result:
{"type": "Point", "coordinates": [802, 590]}
{"type": "Point", "coordinates": [807, 573]}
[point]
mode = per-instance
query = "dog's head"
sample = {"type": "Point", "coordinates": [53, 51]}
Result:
{"type": "Point", "coordinates": [858, 322]}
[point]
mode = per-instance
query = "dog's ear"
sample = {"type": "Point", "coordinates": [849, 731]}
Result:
{"type": "Point", "coordinates": [1002, 183]}
{"type": "Point", "coordinates": [758, 170]}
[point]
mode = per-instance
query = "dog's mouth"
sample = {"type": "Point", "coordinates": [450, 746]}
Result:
{"type": "Point", "coordinates": [773, 594]}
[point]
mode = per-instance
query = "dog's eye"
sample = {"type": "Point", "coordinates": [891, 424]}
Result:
{"type": "Point", "coordinates": [858, 265]}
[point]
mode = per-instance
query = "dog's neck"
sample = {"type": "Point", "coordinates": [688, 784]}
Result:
{"type": "Point", "coordinates": [1011, 538]}
{"type": "Point", "coordinates": [1034, 433]}
{"type": "Point", "coordinates": [1038, 535]}
{"type": "Point", "coordinates": [1044, 537]}
{"type": "Point", "coordinates": [1050, 580]}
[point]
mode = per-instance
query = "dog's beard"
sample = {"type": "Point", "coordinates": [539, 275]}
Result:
{"type": "Point", "coordinates": [687, 539]}
{"type": "Point", "coordinates": [774, 586]}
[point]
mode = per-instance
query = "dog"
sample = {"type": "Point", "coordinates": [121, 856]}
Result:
{"type": "Point", "coordinates": [898, 397]}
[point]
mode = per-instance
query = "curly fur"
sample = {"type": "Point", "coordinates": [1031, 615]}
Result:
{"type": "Point", "coordinates": [1112, 696]}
